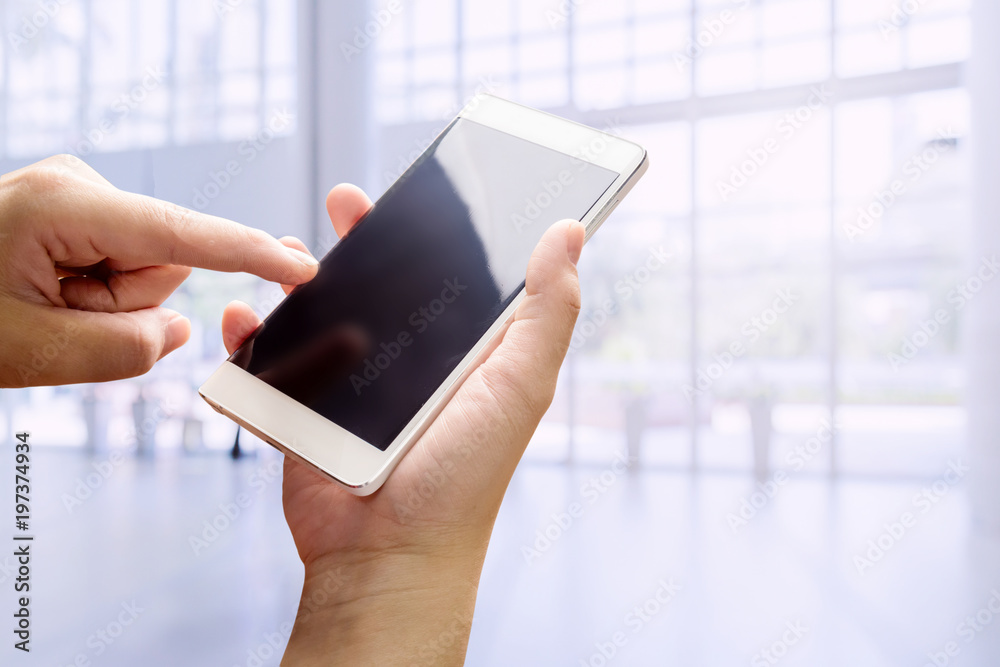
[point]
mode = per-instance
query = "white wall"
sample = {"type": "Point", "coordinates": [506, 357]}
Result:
{"type": "Point", "coordinates": [983, 335]}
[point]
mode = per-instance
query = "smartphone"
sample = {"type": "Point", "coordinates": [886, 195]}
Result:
{"type": "Point", "coordinates": [351, 368]}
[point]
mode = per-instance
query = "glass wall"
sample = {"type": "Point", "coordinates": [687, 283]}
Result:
{"type": "Point", "coordinates": [791, 265]}
{"type": "Point", "coordinates": [115, 78]}
{"type": "Point", "coordinates": [110, 75]}
{"type": "Point", "coordinates": [807, 184]}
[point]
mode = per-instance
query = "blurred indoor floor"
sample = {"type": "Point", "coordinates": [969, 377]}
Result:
{"type": "Point", "coordinates": [735, 593]}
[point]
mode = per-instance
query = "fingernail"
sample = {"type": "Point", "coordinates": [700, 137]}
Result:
{"type": "Point", "coordinates": [574, 246]}
{"type": "Point", "coordinates": [177, 333]}
{"type": "Point", "coordinates": [302, 257]}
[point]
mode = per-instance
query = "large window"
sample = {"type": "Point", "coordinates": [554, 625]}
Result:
{"type": "Point", "coordinates": [104, 75]}
{"type": "Point", "coordinates": [808, 170]}
{"type": "Point", "coordinates": [807, 188]}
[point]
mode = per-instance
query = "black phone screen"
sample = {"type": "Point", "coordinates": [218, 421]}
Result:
{"type": "Point", "coordinates": [403, 298]}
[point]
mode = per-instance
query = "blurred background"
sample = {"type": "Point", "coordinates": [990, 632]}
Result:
{"type": "Point", "coordinates": [814, 364]}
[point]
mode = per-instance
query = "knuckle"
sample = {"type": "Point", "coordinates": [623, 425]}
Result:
{"type": "Point", "coordinates": [574, 299]}
{"type": "Point", "coordinates": [67, 160]}
{"type": "Point", "coordinates": [515, 391]}
{"type": "Point", "coordinates": [178, 222]}
{"type": "Point", "coordinates": [43, 180]}
{"type": "Point", "coordinates": [139, 350]}
{"type": "Point", "coordinates": [175, 217]}
{"type": "Point", "coordinates": [28, 192]}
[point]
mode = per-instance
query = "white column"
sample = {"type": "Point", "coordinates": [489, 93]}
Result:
{"type": "Point", "coordinates": [982, 341]}
{"type": "Point", "coordinates": [336, 89]}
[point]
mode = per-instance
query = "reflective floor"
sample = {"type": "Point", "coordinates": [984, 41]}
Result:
{"type": "Point", "coordinates": [659, 569]}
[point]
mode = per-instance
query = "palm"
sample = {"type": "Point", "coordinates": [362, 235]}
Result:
{"type": "Point", "coordinates": [456, 474]}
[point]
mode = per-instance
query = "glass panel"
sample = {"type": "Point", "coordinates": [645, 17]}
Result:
{"type": "Point", "coordinates": [601, 88]}
{"type": "Point", "coordinates": [111, 53]}
{"type": "Point", "coordinates": [434, 22]}
{"type": "Point", "coordinates": [796, 62]}
{"type": "Point", "coordinates": [792, 18]}
{"type": "Point", "coordinates": [936, 42]}
{"type": "Point", "coordinates": [771, 159]}
{"type": "Point", "coordinates": [281, 33]}
{"type": "Point", "coordinates": [902, 168]}
{"type": "Point", "coordinates": [719, 72]}
{"type": "Point", "coordinates": [632, 341]}
{"type": "Point", "coordinates": [762, 346]}
{"type": "Point", "coordinates": [127, 83]}
{"type": "Point", "coordinates": [239, 41]}
{"type": "Point", "coordinates": [868, 51]}
{"type": "Point", "coordinates": [546, 54]}
{"type": "Point", "coordinates": [486, 20]}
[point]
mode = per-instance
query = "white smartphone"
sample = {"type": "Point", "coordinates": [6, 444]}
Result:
{"type": "Point", "coordinates": [351, 368]}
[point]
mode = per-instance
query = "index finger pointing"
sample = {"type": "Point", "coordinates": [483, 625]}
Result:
{"type": "Point", "coordinates": [135, 228]}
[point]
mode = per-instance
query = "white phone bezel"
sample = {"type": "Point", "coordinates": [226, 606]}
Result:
{"type": "Point", "coordinates": [332, 450]}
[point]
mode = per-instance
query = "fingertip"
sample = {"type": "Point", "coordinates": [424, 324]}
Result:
{"type": "Point", "coordinates": [576, 234]}
{"type": "Point", "coordinates": [238, 321]}
{"type": "Point", "coordinates": [552, 283]}
{"type": "Point", "coordinates": [556, 254]}
{"type": "Point", "coordinates": [346, 204]}
{"type": "Point", "coordinates": [303, 257]}
{"type": "Point", "coordinates": [295, 244]}
{"type": "Point", "coordinates": [176, 334]}
{"type": "Point", "coordinates": [305, 268]}
{"type": "Point", "coordinates": [348, 193]}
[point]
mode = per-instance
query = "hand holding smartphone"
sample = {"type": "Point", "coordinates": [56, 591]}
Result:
{"type": "Point", "coordinates": [349, 371]}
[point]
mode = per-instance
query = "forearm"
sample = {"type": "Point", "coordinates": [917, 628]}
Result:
{"type": "Point", "coordinates": [386, 609]}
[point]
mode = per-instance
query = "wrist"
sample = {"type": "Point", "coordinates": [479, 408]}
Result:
{"type": "Point", "coordinates": [391, 607]}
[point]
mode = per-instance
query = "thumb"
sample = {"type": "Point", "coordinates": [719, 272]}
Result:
{"type": "Point", "coordinates": [525, 366]}
{"type": "Point", "coordinates": [115, 346]}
